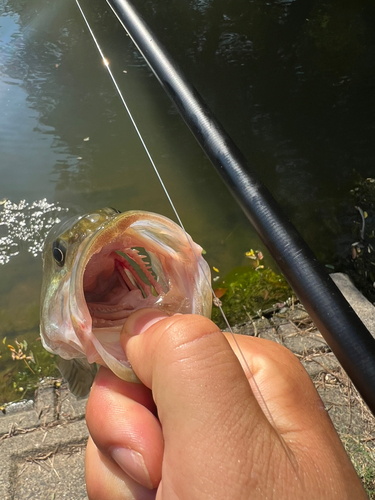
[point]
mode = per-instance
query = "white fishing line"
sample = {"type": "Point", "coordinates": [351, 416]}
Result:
{"type": "Point", "coordinates": [216, 301]}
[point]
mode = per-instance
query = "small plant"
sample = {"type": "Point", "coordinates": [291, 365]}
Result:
{"type": "Point", "coordinates": [24, 363]}
{"type": "Point", "coordinates": [18, 353]}
{"type": "Point", "coordinates": [247, 291]}
{"type": "Point", "coordinates": [359, 261]}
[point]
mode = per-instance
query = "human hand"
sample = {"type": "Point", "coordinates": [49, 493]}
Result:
{"type": "Point", "coordinates": [200, 433]}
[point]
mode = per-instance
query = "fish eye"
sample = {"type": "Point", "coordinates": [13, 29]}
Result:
{"type": "Point", "coordinates": [58, 252]}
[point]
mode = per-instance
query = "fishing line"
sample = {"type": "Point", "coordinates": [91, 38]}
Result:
{"type": "Point", "coordinates": [216, 301]}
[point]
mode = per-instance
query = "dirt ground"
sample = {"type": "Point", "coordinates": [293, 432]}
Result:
{"type": "Point", "coordinates": [351, 417]}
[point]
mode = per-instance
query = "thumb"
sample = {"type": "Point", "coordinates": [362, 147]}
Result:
{"type": "Point", "coordinates": [210, 418]}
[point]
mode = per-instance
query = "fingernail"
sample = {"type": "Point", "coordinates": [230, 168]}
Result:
{"type": "Point", "coordinates": [141, 320]}
{"type": "Point", "coordinates": [133, 464]}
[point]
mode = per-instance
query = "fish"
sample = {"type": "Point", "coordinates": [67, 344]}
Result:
{"type": "Point", "coordinates": [98, 269]}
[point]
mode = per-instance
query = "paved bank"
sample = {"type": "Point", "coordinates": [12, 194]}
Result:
{"type": "Point", "coordinates": [42, 448]}
{"type": "Point", "coordinates": [42, 444]}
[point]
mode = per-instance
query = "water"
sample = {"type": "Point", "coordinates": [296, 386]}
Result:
{"type": "Point", "coordinates": [292, 82]}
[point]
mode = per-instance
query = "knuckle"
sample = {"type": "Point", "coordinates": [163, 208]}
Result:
{"type": "Point", "coordinates": [185, 329]}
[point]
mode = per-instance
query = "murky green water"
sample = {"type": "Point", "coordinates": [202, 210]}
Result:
{"type": "Point", "coordinates": [292, 82]}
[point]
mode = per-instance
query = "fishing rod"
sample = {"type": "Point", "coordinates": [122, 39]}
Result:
{"type": "Point", "coordinates": [343, 330]}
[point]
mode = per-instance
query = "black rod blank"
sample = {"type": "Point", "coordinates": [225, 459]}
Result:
{"type": "Point", "coordinates": [344, 332]}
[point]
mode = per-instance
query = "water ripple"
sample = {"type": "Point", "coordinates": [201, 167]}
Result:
{"type": "Point", "coordinates": [25, 224]}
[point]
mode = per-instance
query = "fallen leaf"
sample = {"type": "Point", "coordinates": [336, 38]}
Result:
{"type": "Point", "coordinates": [219, 292]}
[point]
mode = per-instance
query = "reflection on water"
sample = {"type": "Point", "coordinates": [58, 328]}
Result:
{"type": "Point", "coordinates": [25, 226]}
{"type": "Point", "coordinates": [292, 82]}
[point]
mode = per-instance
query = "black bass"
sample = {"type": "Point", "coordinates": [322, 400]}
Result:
{"type": "Point", "coordinates": [101, 267]}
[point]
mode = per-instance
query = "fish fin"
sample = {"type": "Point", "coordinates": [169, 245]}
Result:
{"type": "Point", "coordinates": [78, 373]}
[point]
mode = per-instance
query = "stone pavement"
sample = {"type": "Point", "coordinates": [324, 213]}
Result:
{"type": "Point", "coordinates": [42, 443]}
{"type": "Point", "coordinates": [42, 447]}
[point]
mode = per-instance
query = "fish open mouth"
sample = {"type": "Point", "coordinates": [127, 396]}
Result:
{"type": "Point", "coordinates": [107, 265]}
{"type": "Point", "coordinates": [132, 261]}
{"type": "Point", "coordinates": [118, 282]}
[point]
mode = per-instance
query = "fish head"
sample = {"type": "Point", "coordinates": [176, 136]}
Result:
{"type": "Point", "coordinates": [101, 267]}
